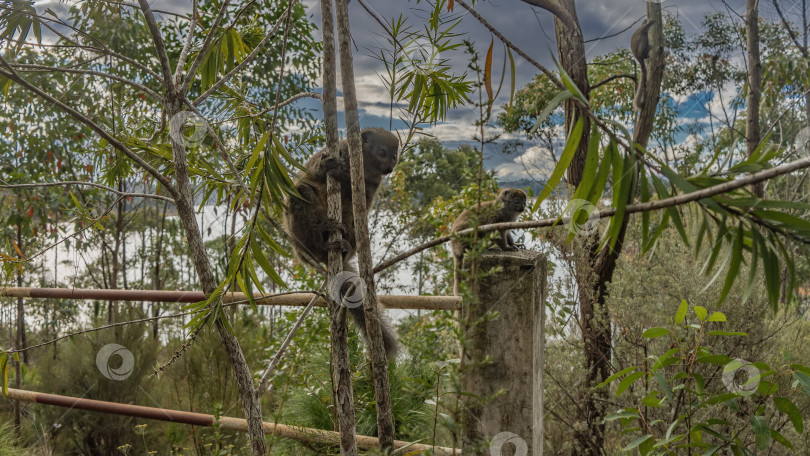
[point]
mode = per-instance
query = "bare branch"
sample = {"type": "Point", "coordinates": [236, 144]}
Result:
{"type": "Point", "coordinates": [45, 68]}
{"type": "Point", "coordinates": [159, 47]}
{"type": "Point", "coordinates": [247, 59]}
{"type": "Point", "coordinates": [88, 184]}
{"type": "Point", "coordinates": [181, 61]}
{"type": "Point", "coordinates": [106, 211]}
{"type": "Point", "coordinates": [549, 74]}
{"type": "Point", "coordinates": [286, 343]}
{"type": "Point", "coordinates": [138, 8]}
{"type": "Point", "coordinates": [14, 76]}
{"type": "Point", "coordinates": [610, 79]}
{"type": "Point", "coordinates": [674, 201]}
{"type": "Point", "coordinates": [101, 50]}
{"type": "Point", "coordinates": [793, 35]}
{"type": "Point", "coordinates": [556, 9]}
{"type": "Point", "coordinates": [192, 71]}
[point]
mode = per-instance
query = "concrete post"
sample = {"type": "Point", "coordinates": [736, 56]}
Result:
{"type": "Point", "coordinates": [503, 371]}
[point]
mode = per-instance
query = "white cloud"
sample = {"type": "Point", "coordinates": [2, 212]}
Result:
{"type": "Point", "coordinates": [534, 161]}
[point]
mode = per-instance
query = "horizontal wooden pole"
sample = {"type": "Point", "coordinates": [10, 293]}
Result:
{"type": "Point", "coordinates": [292, 299]}
{"type": "Point", "coordinates": [300, 434]}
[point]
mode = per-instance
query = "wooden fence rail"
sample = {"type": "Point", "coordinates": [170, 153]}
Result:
{"type": "Point", "coordinates": [292, 299]}
{"type": "Point", "coordinates": [301, 434]}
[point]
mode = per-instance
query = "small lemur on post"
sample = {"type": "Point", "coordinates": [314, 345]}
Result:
{"type": "Point", "coordinates": [507, 207]}
{"type": "Point", "coordinates": [640, 47]}
{"type": "Point", "coordinates": [306, 218]}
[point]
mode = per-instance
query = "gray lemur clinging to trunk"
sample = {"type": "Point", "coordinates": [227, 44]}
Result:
{"type": "Point", "coordinates": [306, 219]}
{"type": "Point", "coordinates": [640, 47]}
{"type": "Point", "coordinates": [507, 207]}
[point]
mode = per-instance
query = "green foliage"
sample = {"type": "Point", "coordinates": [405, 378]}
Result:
{"type": "Point", "coordinates": [416, 70]}
{"type": "Point", "coordinates": [697, 417]}
{"type": "Point", "coordinates": [8, 443]}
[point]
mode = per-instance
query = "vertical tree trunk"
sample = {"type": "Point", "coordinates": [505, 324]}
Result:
{"type": "Point", "coordinates": [752, 131]}
{"type": "Point", "coordinates": [251, 405]}
{"type": "Point", "coordinates": [343, 394]}
{"type": "Point", "coordinates": [571, 49]}
{"type": "Point", "coordinates": [20, 343]}
{"type": "Point", "coordinates": [597, 272]}
{"type": "Point", "coordinates": [379, 362]}
{"type": "Point", "coordinates": [156, 277]}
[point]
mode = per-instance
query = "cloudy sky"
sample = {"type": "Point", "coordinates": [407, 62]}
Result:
{"type": "Point", "coordinates": [603, 24]}
{"type": "Point", "coordinates": [532, 30]}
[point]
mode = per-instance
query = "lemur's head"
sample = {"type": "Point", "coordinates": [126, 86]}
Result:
{"type": "Point", "coordinates": [380, 149]}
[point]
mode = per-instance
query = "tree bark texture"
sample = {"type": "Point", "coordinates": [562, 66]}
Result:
{"type": "Point", "coordinates": [571, 48]}
{"type": "Point", "coordinates": [595, 273]}
{"type": "Point", "coordinates": [753, 100]}
{"type": "Point", "coordinates": [251, 404]}
{"type": "Point", "coordinates": [343, 393]}
{"type": "Point", "coordinates": [379, 362]}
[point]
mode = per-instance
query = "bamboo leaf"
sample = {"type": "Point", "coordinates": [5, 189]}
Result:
{"type": "Point", "coordinates": [562, 164]}
{"type": "Point", "coordinates": [734, 266]}
{"type": "Point", "coordinates": [569, 83]}
{"type": "Point", "coordinates": [513, 86]}
{"type": "Point", "coordinates": [488, 76]}
{"type": "Point", "coordinates": [552, 105]}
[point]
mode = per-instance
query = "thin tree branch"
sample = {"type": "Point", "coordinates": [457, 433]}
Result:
{"type": "Point", "coordinates": [604, 37]}
{"type": "Point", "coordinates": [145, 320]}
{"type": "Point", "coordinates": [25, 68]}
{"type": "Point", "coordinates": [678, 200]}
{"type": "Point", "coordinates": [192, 71]}
{"type": "Point", "coordinates": [95, 127]}
{"type": "Point", "coordinates": [138, 8]}
{"type": "Point", "coordinates": [88, 184]}
{"type": "Point", "coordinates": [159, 47]}
{"type": "Point", "coordinates": [556, 9]}
{"type": "Point", "coordinates": [74, 234]}
{"type": "Point", "coordinates": [181, 61]}
{"type": "Point", "coordinates": [793, 35]}
{"type": "Point", "coordinates": [247, 59]}
{"type": "Point", "coordinates": [101, 50]}
{"type": "Point", "coordinates": [286, 343]}
{"type": "Point", "coordinates": [612, 78]}
{"type": "Point", "coordinates": [549, 74]}
{"type": "Point", "coordinates": [284, 103]}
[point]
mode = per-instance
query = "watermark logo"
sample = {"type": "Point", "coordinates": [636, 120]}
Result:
{"type": "Point", "coordinates": [733, 378]}
{"type": "Point", "coordinates": [104, 358]}
{"type": "Point", "coordinates": [502, 438]}
{"type": "Point", "coordinates": [188, 128]}
{"type": "Point", "coordinates": [348, 289]}
{"type": "Point", "coordinates": [421, 55]}
{"type": "Point", "coordinates": [581, 217]}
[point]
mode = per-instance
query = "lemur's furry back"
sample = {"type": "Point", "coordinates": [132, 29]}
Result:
{"type": "Point", "coordinates": [306, 218]}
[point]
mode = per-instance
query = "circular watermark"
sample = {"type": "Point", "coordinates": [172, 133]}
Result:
{"type": "Point", "coordinates": [348, 289]}
{"type": "Point", "coordinates": [188, 128]}
{"type": "Point", "coordinates": [734, 383]}
{"type": "Point", "coordinates": [421, 54]}
{"type": "Point", "coordinates": [502, 438]}
{"type": "Point", "coordinates": [581, 217]}
{"type": "Point", "coordinates": [121, 372]}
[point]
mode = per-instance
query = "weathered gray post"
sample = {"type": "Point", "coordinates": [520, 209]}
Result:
{"type": "Point", "coordinates": [503, 371]}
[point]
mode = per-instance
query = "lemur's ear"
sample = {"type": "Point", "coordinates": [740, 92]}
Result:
{"type": "Point", "coordinates": [365, 135]}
